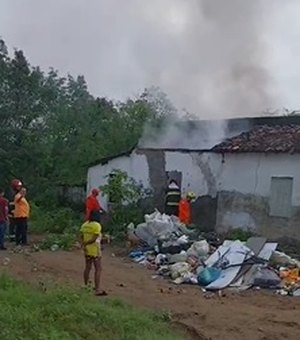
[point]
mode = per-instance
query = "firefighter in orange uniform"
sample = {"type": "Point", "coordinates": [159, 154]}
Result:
{"type": "Point", "coordinates": [185, 210]}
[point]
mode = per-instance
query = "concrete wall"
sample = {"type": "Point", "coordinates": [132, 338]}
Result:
{"type": "Point", "coordinates": [149, 167]}
{"type": "Point", "coordinates": [241, 185]}
{"type": "Point", "coordinates": [135, 165]}
{"type": "Point", "coordinates": [233, 190]}
{"type": "Point", "coordinates": [199, 174]}
{"type": "Point", "coordinates": [245, 189]}
{"type": "Point", "coordinates": [200, 171]}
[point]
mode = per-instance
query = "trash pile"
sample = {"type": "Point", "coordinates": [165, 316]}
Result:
{"type": "Point", "coordinates": [181, 255]}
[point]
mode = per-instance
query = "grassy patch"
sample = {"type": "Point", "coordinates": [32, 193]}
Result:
{"type": "Point", "coordinates": [65, 241]}
{"type": "Point", "coordinates": [239, 234]}
{"type": "Point", "coordinates": [59, 314]}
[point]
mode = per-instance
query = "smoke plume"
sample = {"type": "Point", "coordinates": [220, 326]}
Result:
{"type": "Point", "coordinates": [216, 66]}
{"type": "Point", "coordinates": [209, 56]}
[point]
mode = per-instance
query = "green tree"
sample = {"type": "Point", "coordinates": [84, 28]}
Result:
{"type": "Point", "coordinates": [51, 127]}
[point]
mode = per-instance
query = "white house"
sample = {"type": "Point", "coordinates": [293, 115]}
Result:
{"type": "Point", "coordinates": [249, 181]}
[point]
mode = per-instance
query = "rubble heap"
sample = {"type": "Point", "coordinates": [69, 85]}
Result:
{"type": "Point", "coordinates": [182, 256]}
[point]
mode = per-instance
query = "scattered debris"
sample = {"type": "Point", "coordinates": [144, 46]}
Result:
{"type": "Point", "coordinates": [121, 285]}
{"type": "Point", "coordinates": [283, 259]}
{"type": "Point", "coordinates": [177, 253]}
{"type": "Point", "coordinates": [54, 247]}
{"type": "Point", "coordinates": [6, 261]}
{"type": "Point", "coordinates": [296, 292]}
{"type": "Point", "coordinates": [36, 247]}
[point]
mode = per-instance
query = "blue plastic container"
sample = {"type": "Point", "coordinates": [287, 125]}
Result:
{"type": "Point", "coordinates": [208, 275]}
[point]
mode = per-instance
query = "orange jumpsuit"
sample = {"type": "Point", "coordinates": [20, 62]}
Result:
{"type": "Point", "coordinates": [91, 204]}
{"type": "Point", "coordinates": [185, 211]}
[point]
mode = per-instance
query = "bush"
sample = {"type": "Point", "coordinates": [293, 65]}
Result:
{"type": "Point", "coordinates": [122, 189]}
{"type": "Point", "coordinates": [58, 220]}
{"type": "Point", "coordinates": [126, 195]}
{"type": "Point", "coordinates": [65, 241]}
{"type": "Point", "coordinates": [61, 314]}
{"type": "Point", "coordinates": [121, 216]}
{"type": "Point", "coordinates": [238, 234]}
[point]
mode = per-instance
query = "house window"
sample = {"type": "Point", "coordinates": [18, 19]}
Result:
{"type": "Point", "coordinates": [281, 196]}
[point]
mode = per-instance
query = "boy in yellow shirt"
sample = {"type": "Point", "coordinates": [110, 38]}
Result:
{"type": "Point", "coordinates": [90, 236]}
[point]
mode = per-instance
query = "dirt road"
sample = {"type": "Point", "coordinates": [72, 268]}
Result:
{"type": "Point", "coordinates": [248, 316]}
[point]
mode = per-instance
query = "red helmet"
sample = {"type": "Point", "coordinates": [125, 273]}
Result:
{"type": "Point", "coordinates": [15, 183]}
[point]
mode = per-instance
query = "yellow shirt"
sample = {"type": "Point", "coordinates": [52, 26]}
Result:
{"type": "Point", "coordinates": [22, 208]}
{"type": "Point", "coordinates": [88, 231]}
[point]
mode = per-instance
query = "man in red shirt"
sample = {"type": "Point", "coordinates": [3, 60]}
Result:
{"type": "Point", "coordinates": [3, 218]}
{"type": "Point", "coordinates": [92, 203]}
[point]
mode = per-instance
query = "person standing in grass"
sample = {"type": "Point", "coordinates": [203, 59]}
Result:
{"type": "Point", "coordinates": [3, 218]}
{"type": "Point", "coordinates": [15, 187]}
{"type": "Point", "coordinates": [21, 215]}
{"type": "Point", "coordinates": [90, 238]}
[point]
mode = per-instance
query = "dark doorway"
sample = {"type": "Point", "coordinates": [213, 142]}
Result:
{"type": "Point", "coordinates": [176, 176]}
{"type": "Point", "coordinates": [204, 213]}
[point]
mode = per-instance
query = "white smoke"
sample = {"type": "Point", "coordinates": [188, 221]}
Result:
{"type": "Point", "coordinates": [209, 56]}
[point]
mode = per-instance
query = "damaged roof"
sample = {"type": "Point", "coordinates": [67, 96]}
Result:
{"type": "Point", "coordinates": [268, 139]}
{"type": "Point", "coordinates": [105, 160]}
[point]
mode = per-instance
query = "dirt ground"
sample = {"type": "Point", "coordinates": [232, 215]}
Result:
{"type": "Point", "coordinates": [248, 316]}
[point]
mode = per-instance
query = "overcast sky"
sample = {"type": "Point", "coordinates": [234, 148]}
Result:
{"type": "Point", "coordinates": [215, 58]}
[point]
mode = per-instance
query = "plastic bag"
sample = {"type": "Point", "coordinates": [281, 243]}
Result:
{"type": "Point", "coordinates": [208, 275]}
{"type": "Point", "coordinates": [282, 259]}
{"type": "Point", "coordinates": [179, 269]}
{"type": "Point", "coordinates": [199, 249]}
{"type": "Point", "coordinates": [181, 257]}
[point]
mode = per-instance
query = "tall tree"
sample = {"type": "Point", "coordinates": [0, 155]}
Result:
{"type": "Point", "coordinates": [51, 127]}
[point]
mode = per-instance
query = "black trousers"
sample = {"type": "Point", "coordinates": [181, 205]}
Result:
{"type": "Point", "coordinates": [172, 210]}
{"type": "Point", "coordinates": [21, 230]}
{"type": "Point", "coordinates": [12, 229]}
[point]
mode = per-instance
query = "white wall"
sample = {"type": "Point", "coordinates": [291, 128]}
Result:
{"type": "Point", "coordinates": [135, 165]}
{"type": "Point", "coordinates": [208, 173]}
{"type": "Point", "coordinates": [251, 173]}
{"type": "Point", "coordinates": [199, 171]}
{"type": "Point", "coordinates": [247, 173]}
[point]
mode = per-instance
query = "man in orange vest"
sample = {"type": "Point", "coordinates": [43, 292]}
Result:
{"type": "Point", "coordinates": [185, 211]}
{"type": "Point", "coordinates": [21, 215]}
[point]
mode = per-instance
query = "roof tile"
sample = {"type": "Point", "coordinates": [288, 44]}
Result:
{"type": "Point", "coordinates": [269, 139]}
